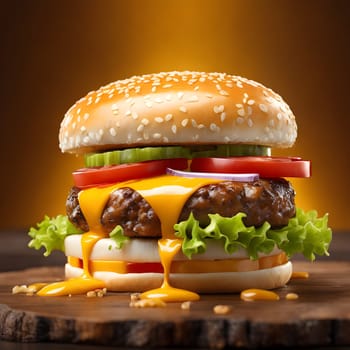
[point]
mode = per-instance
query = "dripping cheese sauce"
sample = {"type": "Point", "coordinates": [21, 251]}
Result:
{"type": "Point", "coordinates": [166, 195]}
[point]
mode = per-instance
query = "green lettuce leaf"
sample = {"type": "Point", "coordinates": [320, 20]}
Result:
{"type": "Point", "coordinates": [305, 233]}
{"type": "Point", "coordinates": [50, 233]}
{"type": "Point", "coordinates": [117, 235]}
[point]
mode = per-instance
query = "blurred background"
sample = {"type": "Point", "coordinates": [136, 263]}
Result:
{"type": "Point", "coordinates": [54, 52]}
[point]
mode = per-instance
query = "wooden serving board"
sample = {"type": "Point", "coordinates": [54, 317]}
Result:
{"type": "Point", "coordinates": [320, 317]}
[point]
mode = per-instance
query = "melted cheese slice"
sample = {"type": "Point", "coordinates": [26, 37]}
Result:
{"type": "Point", "coordinates": [167, 196]}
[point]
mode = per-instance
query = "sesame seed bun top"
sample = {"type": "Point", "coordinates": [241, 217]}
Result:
{"type": "Point", "coordinates": [177, 108]}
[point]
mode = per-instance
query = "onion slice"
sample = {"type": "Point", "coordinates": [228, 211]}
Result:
{"type": "Point", "coordinates": [222, 176]}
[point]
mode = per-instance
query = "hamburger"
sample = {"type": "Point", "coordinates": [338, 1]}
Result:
{"type": "Point", "coordinates": [183, 157]}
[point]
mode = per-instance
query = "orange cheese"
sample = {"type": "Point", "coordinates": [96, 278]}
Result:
{"type": "Point", "coordinates": [258, 294]}
{"type": "Point", "coordinates": [166, 195]}
{"type": "Point", "coordinates": [189, 266]}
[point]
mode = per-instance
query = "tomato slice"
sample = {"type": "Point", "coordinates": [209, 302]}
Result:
{"type": "Point", "coordinates": [154, 267]}
{"type": "Point", "coordinates": [89, 177]}
{"type": "Point", "coordinates": [264, 166]}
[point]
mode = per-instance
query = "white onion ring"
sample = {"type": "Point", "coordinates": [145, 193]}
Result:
{"type": "Point", "coordinates": [249, 177]}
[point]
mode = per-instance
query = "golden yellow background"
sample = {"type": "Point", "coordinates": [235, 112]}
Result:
{"type": "Point", "coordinates": [54, 52]}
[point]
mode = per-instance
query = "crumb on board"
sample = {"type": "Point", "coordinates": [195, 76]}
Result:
{"type": "Point", "coordinates": [97, 293]}
{"type": "Point", "coordinates": [186, 305]}
{"type": "Point", "coordinates": [144, 303]}
{"type": "Point", "coordinates": [23, 289]}
{"type": "Point", "coordinates": [300, 275]}
{"type": "Point", "coordinates": [292, 296]}
{"type": "Point", "coordinates": [222, 309]}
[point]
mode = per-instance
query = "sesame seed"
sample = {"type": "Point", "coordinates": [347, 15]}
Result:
{"type": "Point", "coordinates": [128, 113]}
{"type": "Point", "coordinates": [140, 128]}
{"type": "Point", "coordinates": [249, 110]}
{"type": "Point", "coordinates": [219, 109]}
{"type": "Point", "coordinates": [224, 93]}
{"type": "Point", "coordinates": [168, 117]}
{"type": "Point", "coordinates": [241, 112]}
{"type": "Point", "coordinates": [194, 123]}
{"type": "Point", "coordinates": [280, 116]}
{"type": "Point", "coordinates": [83, 128]}
{"type": "Point", "coordinates": [193, 98]}
{"type": "Point", "coordinates": [183, 109]}
{"type": "Point", "coordinates": [157, 135]}
{"type": "Point", "coordinates": [86, 116]}
{"type": "Point", "coordinates": [158, 100]}
{"type": "Point", "coordinates": [167, 86]}
{"type": "Point", "coordinates": [165, 139]}
{"type": "Point", "coordinates": [196, 88]}
{"type": "Point", "coordinates": [229, 85]}
{"type": "Point", "coordinates": [74, 125]}
{"type": "Point", "coordinates": [227, 139]}
{"type": "Point", "coordinates": [159, 119]}
{"type": "Point", "coordinates": [184, 122]}
{"type": "Point", "coordinates": [168, 97]}
{"type": "Point", "coordinates": [134, 115]}
{"type": "Point", "coordinates": [180, 95]}
{"type": "Point", "coordinates": [195, 137]}
{"type": "Point", "coordinates": [112, 131]}
{"type": "Point", "coordinates": [283, 108]}
{"type": "Point", "coordinates": [149, 104]}
{"type": "Point", "coordinates": [239, 105]}
{"type": "Point", "coordinates": [97, 99]}
{"type": "Point", "coordinates": [145, 121]}
{"type": "Point", "coordinates": [263, 107]}
{"type": "Point", "coordinates": [201, 126]}
{"type": "Point", "coordinates": [209, 95]}
{"type": "Point", "coordinates": [239, 84]}
{"type": "Point", "coordinates": [86, 139]}
{"type": "Point", "coordinates": [223, 116]}
{"type": "Point", "coordinates": [115, 107]}
{"type": "Point", "coordinates": [213, 127]}
{"type": "Point", "coordinates": [250, 123]}
{"type": "Point", "coordinates": [154, 88]}
{"type": "Point", "coordinates": [270, 100]}
{"type": "Point", "coordinates": [174, 129]}
{"type": "Point", "coordinates": [251, 102]}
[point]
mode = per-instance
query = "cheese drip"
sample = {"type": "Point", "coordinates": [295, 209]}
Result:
{"type": "Point", "coordinates": [167, 196]}
{"type": "Point", "coordinates": [85, 282]}
{"type": "Point", "coordinates": [168, 248]}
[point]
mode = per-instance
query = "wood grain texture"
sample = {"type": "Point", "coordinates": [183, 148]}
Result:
{"type": "Point", "coordinates": [320, 317]}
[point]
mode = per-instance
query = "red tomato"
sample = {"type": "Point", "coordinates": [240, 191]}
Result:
{"type": "Point", "coordinates": [145, 267]}
{"type": "Point", "coordinates": [264, 166]}
{"type": "Point", "coordinates": [89, 177]}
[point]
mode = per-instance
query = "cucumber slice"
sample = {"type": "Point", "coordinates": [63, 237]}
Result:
{"type": "Point", "coordinates": [133, 155]}
{"type": "Point", "coordinates": [233, 151]}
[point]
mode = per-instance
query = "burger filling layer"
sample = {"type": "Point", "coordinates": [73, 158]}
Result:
{"type": "Point", "coordinates": [264, 200]}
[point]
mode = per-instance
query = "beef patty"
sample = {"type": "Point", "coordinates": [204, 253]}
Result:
{"type": "Point", "coordinates": [270, 200]}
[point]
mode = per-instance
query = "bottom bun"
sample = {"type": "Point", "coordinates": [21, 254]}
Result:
{"type": "Point", "coordinates": [222, 282]}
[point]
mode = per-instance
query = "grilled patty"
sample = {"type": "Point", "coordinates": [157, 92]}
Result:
{"type": "Point", "coordinates": [270, 200]}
